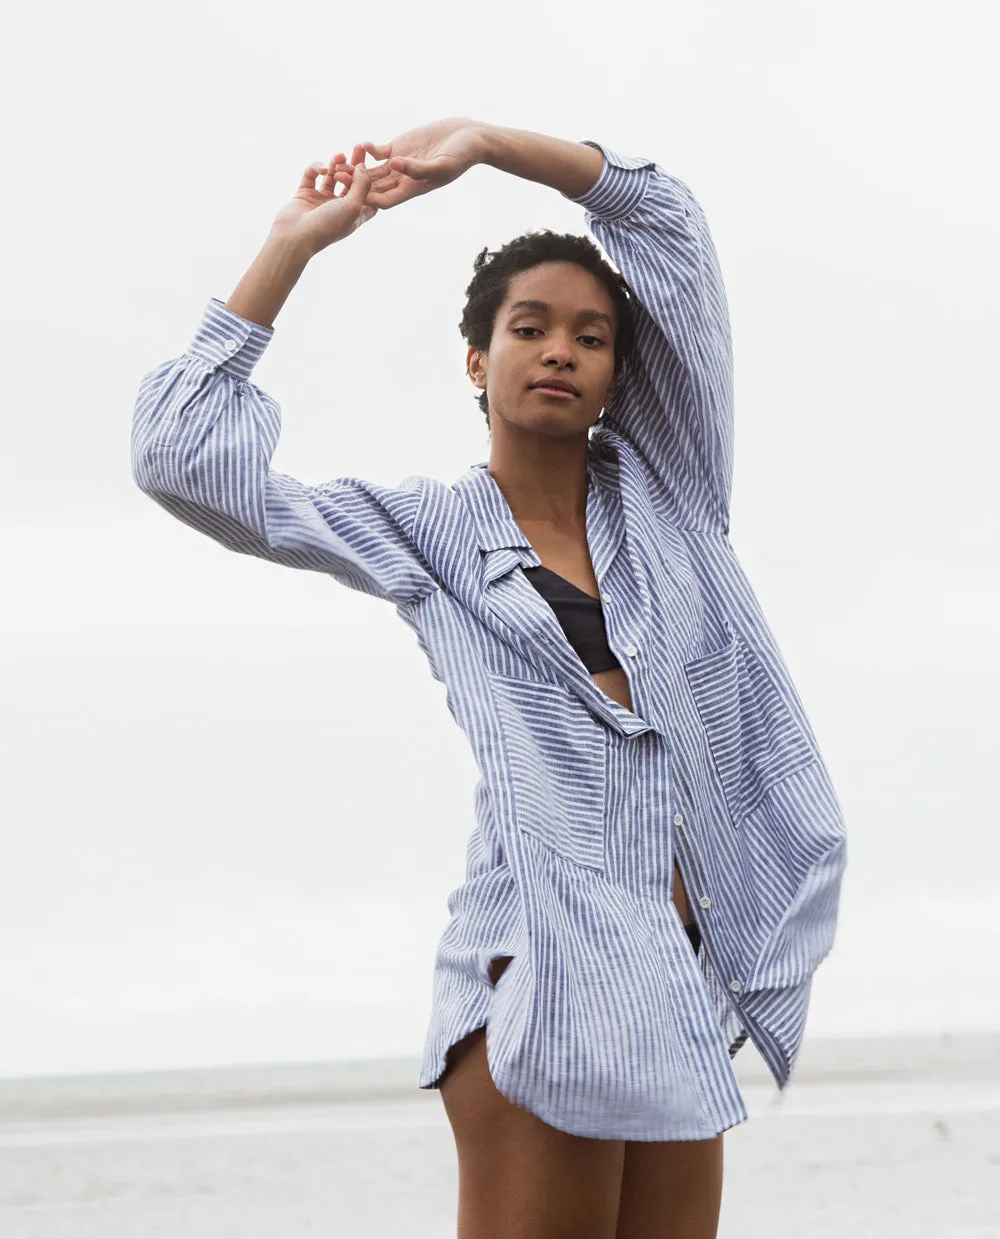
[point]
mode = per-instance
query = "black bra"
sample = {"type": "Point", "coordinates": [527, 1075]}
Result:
{"type": "Point", "coordinates": [580, 615]}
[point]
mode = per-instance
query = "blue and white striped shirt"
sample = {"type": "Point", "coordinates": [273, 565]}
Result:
{"type": "Point", "coordinates": [606, 1023]}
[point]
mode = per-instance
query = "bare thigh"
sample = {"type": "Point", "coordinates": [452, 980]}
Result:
{"type": "Point", "coordinates": [671, 1189]}
{"type": "Point", "coordinates": [518, 1177]}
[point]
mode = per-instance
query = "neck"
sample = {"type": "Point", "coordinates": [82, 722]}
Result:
{"type": "Point", "coordinates": [543, 480]}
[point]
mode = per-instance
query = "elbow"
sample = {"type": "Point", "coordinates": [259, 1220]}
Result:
{"type": "Point", "coordinates": [146, 467]}
{"type": "Point", "coordinates": [152, 459]}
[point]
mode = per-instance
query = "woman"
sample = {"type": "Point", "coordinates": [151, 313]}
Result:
{"type": "Point", "coordinates": [655, 868]}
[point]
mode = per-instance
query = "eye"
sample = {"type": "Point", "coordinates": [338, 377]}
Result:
{"type": "Point", "coordinates": [597, 339]}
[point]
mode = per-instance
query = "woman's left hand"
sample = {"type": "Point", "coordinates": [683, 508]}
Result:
{"type": "Point", "coordinates": [423, 159]}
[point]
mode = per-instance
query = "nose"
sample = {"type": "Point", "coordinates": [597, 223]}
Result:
{"type": "Point", "coordinates": [557, 353]}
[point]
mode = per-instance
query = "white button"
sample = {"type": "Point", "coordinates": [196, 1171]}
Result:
{"type": "Point", "coordinates": [705, 901]}
{"type": "Point", "coordinates": [606, 597]}
{"type": "Point", "coordinates": [230, 346]}
{"type": "Point", "coordinates": [678, 819]}
{"type": "Point", "coordinates": [630, 650]}
{"type": "Point", "coordinates": [736, 986]}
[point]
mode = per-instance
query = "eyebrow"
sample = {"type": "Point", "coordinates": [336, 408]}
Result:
{"type": "Point", "coordinates": [544, 306]}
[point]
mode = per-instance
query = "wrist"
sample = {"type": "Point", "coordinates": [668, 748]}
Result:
{"type": "Point", "coordinates": [293, 245]}
{"type": "Point", "coordinates": [570, 167]}
{"type": "Point", "coordinates": [486, 136]}
{"type": "Point", "coordinates": [272, 275]}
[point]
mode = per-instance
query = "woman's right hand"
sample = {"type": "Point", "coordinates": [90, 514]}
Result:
{"type": "Point", "coordinates": [319, 218]}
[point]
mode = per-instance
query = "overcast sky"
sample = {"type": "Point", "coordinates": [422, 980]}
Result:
{"type": "Point", "coordinates": [233, 799]}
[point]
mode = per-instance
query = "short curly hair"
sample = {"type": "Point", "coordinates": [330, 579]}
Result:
{"type": "Point", "coordinates": [488, 288]}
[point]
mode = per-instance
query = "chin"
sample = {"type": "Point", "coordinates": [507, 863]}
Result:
{"type": "Point", "coordinates": [557, 423]}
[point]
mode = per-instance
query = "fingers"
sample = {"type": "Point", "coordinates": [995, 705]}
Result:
{"type": "Point", "coordinates": [358, 191]}
{"type": "Point", "coordinates": [417, 169]}
{"type": "Point", "coordinates": [339, 161]}
{"type": "Point", "coordinates": [360, 179]}
{"type": "Point", "coordinates": [336, 170]}
{"type": "Point", "coordinates": [383, 199]}
{"type": "Point", "coordinates": [335, 164]}
{"type": "Point", "coordinates": [376, 173]}
{"type": "Point", "coordinates": [376, 187]}
{"type": "Point", "coordinates": [377, 151]}
{"type": "Point", "coordinates": [311, 173]}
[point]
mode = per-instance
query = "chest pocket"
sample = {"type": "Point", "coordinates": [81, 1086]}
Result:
{"type": "Point", "coordinates": [557, 760]}
{"type": "Point", "coordinates": [754, 738]}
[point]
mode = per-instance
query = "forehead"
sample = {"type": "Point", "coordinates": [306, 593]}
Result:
{"type": "Point", "coordinates": [560, 288]}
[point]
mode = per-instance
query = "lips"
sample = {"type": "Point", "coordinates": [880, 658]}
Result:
{"type": "Point", "coordinates": [558, 384]}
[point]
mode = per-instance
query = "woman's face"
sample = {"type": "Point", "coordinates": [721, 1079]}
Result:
{"type": "Point", "coordinates": [572, 339]}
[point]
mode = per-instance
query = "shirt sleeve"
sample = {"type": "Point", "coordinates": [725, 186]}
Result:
{"type": "Point", "coordinates": [203, 436]}
{"type": "Point", "coordinates": [674, 400]}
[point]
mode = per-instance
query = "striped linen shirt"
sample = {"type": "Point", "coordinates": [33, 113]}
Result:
{"type": "Point", "coordinates": [606, 1023]}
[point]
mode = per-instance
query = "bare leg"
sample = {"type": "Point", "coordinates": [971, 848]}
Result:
{"type": "Point", "coordinates": [671, 1189]}
{"type": "Point", "coordinates": [520, 1178]}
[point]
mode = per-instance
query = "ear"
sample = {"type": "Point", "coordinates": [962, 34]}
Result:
{"type": "Point", "coordinates": [475, 367]}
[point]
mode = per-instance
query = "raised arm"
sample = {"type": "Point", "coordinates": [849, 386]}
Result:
{"type": "Point", "coordinates": [203, 434]}
{"type": "Point", "coordinates": [675, 400]}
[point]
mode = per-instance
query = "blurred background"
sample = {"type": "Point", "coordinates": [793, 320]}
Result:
{"type": "Point", "coordinates": [233, 800]}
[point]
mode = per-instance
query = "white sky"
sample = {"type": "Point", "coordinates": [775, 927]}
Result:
{"type": "Point", "coordinates": [233, 800]}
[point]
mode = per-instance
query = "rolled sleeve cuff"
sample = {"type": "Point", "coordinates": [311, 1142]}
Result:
{"type": "Point", "coordinates": [229, 342]}
{"type": "Point", "coordinates": [619, 187]}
